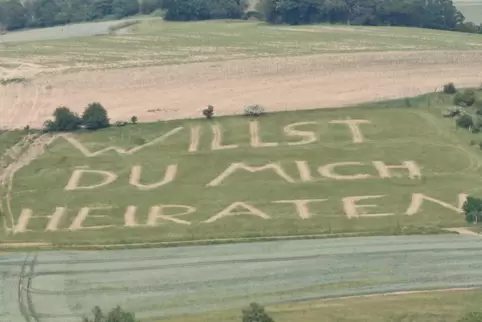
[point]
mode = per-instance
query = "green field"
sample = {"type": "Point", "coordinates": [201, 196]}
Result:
{"type": "Point", "coordinates": [154, 42]}
{"type": "Point", "coordinates": [167, 186]}
{"type": "Point", "coordinates": [427, 307]}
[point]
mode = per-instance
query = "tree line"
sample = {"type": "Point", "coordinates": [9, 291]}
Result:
{"type": "Point", "coordinates": [19, 14]}
{"type": "Point", "coordinates": [434, 14]}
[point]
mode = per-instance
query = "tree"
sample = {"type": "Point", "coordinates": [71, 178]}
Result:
{"type": "Point", "coordinates": [95, 117]}
{"type": "Point", "coordinates": [256, 313]}
{"type": "Point", "coordinates": [64, 120]}
{"type": "Point", "coordinates": [473, 210]}
{"type": "Point", "coordinates": [148, 6]}
{"type": "Point", "coordinates": [115, 315]}
{"type": "Point", "coordinates": [124, 8]}
{"type": "Point", "coordinates": [13, 15]}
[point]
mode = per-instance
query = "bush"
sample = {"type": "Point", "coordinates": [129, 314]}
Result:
{"type": "Point", "coordinates": [95, 117]}
{"type": "Point", "coordinates": [253, 110]}
{"type": "Point", "coordinates": [451, 112]}
{"type": "Point", "coordinates": [256, 313]}
{"type": "Point", "coordinates": [64, 121]}
{"type": "Point", "coordinates": [465, 121]}
{"type": "Point", "coordinates": [134, 119]}
{"type": "Point", "coordinates": [473, 210]}
{"type": "Point", "coordinates": [208, 112]}
{"type": "Point", "coordinates": [449, 88]}
{"type": "Point", "coordinates": [115, 315]}
{"type": "Point", "coordinates": [121, 123]}
{"type": "Point", "coordinates": [467, 98]}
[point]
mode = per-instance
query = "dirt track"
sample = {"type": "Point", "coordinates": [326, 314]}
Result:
{"type": "Point", "coordinates": [180, 91]}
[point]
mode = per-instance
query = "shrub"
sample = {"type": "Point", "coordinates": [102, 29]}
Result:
{"type": "Point", "coordinates": [208, 112]}
{"type": "Point", "coordinates": [467, 98]}
{"type": "Point", "coordinates": [473, 210]}
{"type": "Point", "coordinates": [95, 117]}
{"type": "Point", "coordinates": [64, 120]}
{"type": "Point", "coordinates": [451, 112]}
{"type": "Point", "coordinates": [449, 88]}
{"type": "Point", "coordinates": [115, 315]}
{"type": "Point", "coordinates": [465, 121]}
{"type": "Point", "coordinates": [134, 119]}
{"type": "Point", "coordinates": [121, 123]}
{"type": "Point", "coordinates": [256, 313]}
{"type": "Point", "coordinates": [253, 110]}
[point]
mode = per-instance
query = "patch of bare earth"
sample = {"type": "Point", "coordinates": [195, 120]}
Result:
{"type": "Point", "coordinates": [283, 83]}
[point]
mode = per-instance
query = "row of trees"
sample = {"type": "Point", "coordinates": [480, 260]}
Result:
{"type": "Point", "coordinates": [64, 120]}
{"type": "Point", "coordinates": [18, 14]}
{"type": "Point", "coordinates": [435, 14]}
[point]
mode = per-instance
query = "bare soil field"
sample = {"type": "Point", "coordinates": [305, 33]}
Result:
{"type": "Point", "coordinates": [281, 83]}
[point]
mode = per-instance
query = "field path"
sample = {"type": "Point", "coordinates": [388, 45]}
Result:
{"type": "Point", "coordinates": [281, 83]}
{"type": "Point", "coordinates": [61, 286]}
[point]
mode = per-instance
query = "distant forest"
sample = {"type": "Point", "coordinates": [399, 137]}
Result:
{"type": "Point", "coordinates": [434, 14]}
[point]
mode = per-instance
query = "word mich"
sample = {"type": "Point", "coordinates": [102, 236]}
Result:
{"type": "Point", "coordinates": [305, 174]}
{"type": "Point", "coordinates": [158, 216]}
{"type": "Point", "coordinates": [195, 134]}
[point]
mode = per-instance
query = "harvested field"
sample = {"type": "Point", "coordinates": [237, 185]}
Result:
{"type": "Point", "coordinates": [284, 83]}
{"type": "Point", "coordinates": [229, 69]}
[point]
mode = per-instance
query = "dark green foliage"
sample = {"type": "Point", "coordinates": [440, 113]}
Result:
{"type": "Point", "coordinates": [115, 315]}
{"type": "Point", "coordinates": [64, 121]}
{"type": "Point", "coordinates": [256, 313]}
{"type": "Point", "coordinates": [437, 14]}
{"type": "Point", "coordinates": [449, 88]}
{"type": "Point", "coordinates": [473, 210]}
{"type": "Point", "coordinates": [466, 98]}
{"type": "Point", "coordinates": [185, 10]}
{"type": "Point", "coordinates": [208, 112]}
{"type": "Point", "coordinates": [13, 15]}
{"type": "Point", "coordinates": [17, 14]}
{"type": "Point", "coordinates": [149, 6]}
{"type": "Point", "coordinates": [478, 106]}
{"type": "Point", "coordinates": [465, 121]}
{"type": "Point", "coordinates": [124, 8]}
{"type": "Point", "coordinates": [134, 119]}
{"type": "Point", "coordinates": [95, 117]}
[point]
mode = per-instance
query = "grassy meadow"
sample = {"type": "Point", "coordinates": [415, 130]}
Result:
{"type": "Point", "coordinates": [156, 42]}
{"type": "Point", "coordinates": [403, 130]}
{"type": "Point", "coordinates": [427, 307]}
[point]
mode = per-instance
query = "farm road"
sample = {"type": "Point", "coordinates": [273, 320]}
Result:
{"type": "Point", "coordinates": [62, 286]}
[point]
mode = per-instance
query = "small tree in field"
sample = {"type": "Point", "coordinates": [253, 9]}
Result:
{"type": "Point", "coordinates": [134, 119]}
{"type": "Point", "coordinates": [256, 313]}
{"type": "Point", "coordinates": [473, 210]}
{"type": "Point", "coordinates": [95, 117]}
{"type": "Point", "coordinates": [449, 88]}
{"type": "Point", "coordinates": [115, 315]}
{"type": "Point", "coordinates": [208, 112]}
